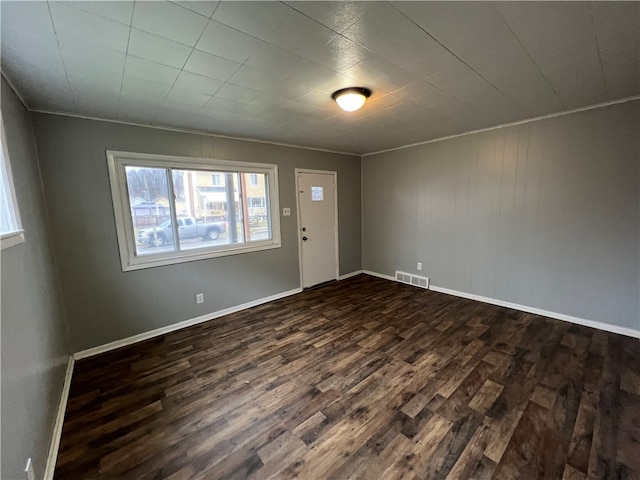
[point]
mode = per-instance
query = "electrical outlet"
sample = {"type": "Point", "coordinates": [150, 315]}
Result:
{"type": "Point", "coordinates": [28, 471]}
{"type": "Point", "coordinates": [419, 266]}
{"type": "Point", "coordinates": [199, 297]}
{"type": "Point", "coordinates": [286, 212]}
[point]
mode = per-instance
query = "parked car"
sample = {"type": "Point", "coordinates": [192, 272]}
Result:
{"type": "Point", "coordinates": [188, 227]}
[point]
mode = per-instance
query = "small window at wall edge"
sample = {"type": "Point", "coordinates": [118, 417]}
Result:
{"type": "Point", "coordinates": [138, 242]}
{"type": "Point", "coordinates": [11, 232]}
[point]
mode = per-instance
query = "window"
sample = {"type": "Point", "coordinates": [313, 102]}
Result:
{"type": "Point", "coordinates": [253, 179]}
{"type": "Point", "coordinates": [216, 180]}
{"type": "Point", "coordinates": [10, 227]}
{"type": "Point", "coordinates": [256, 202]}
{"type": "Point", "coordinates": [177, 209]}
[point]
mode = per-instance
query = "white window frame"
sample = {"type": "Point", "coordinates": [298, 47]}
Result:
{"type": "Point", "coordinates": [16, 236]}
{"type": "Point", "coordinates": [117, 161]}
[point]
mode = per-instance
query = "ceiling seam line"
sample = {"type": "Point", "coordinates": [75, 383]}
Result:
{"type": "Point", "coordinates": [72, 4]}
{"type": "Point", "coordinates": [243, 64]}
{"type": "Point", "coordinates": [524, 49]}
{"type": "Point", "coordinates": [238, 30]}
{"type": "Point", "coordinates": [64, 65]}
{"type": "Point", "coordinates": [604, 77]}
{"type": "Point", "coordinates": [453, 97]}
{"type": "Point", "coordinates": [188, 9]}
{"type": "Point", "coordinates": [180, 43]}
{"type": "Point", "coordinates": [314, 20]}
{"type": "Point", "coordinates": [338, 34]}
{"type": "Point", "coordinates": [193, 48]}
{"type": "Point", "coordinates": [126, 54]}
{"type": "Point", "coordinates": [452, 53]}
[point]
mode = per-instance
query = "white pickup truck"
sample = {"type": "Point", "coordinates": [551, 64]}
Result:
{"type": "Point", "coordinates": [188, 227]}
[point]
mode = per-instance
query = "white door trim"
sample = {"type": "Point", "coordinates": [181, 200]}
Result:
{"type": "Point", "coordinates": [335, 238]}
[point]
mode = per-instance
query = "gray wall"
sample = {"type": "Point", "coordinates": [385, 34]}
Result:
{"type": "Point", "coordinates": [103, 303]}
{"type": "Point", "coordinates": [35, 346]}
{"type": "Point", "coordinates": [543, 214]}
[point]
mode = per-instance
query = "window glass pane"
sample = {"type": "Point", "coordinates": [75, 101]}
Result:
{"type": "Point", "coordinates": [255, 191]}
{"type": "Point", "coordinates": [179, 214]}
{"type": "Point", "coordinates": [207, 204]}
{"type": "Point", "coordinates": [150, 211]}
{"type": "Point", "coordinates": [8, 221]}
{"type": "Point", "coordinates": [317, 194]}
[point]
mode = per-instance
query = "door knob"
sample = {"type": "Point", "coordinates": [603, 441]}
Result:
{"type": "Point", "coordinates": [304, 239]}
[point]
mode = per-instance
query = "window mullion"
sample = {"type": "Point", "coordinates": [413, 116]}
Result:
{"type": "Point", "coordinates": [242, 198]}
{"type": "Point", "coordinates": [172, 208]}
{"type": "Point", "coordinates": [267, 200]}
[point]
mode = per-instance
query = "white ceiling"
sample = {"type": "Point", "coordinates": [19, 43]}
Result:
{"type": "Point", "coordinates": [266, 69]}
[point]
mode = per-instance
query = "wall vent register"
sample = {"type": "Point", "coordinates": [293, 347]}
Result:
{"type": "Point", "coordinates": [410, 279]}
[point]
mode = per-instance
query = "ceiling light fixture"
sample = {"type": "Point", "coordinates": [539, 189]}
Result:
{"type": "Point", "coordinates": [352, 98]}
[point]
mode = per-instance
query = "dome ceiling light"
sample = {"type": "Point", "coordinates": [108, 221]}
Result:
{"type": "Point", "coordinates": [352, 98]}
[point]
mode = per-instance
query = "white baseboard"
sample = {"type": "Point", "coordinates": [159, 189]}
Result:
{"type": "Point", "coordinates": [57, 429]}
{"type": "Point", "coordinates": [180, 325]}
{"type": "Point", "coordinates": [545, 313]}
{"type": "Point", "coordinates": [379, 275]}
{"type": "Point", "coordinates": [349, 275]}
{"type": "Point", "coordinates": [607, 327]}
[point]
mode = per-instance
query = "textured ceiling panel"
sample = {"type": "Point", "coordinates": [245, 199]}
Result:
{"type": "Point", "coordinates": [218, 39]}
{"type": "Point", "coordinates": [168, 20]}
{"type": "Point", "coordinates": [78, 26]}
{"type": "Point", "coordinates": [157, 49]}
{"type": "Point", "coordinates": [258, 19]}
{"type": "Point", "coordinates": [267, 69]}
{"type": "Point", "coordinates": [113, 10]}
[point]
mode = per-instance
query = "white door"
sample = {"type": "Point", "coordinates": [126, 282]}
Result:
{"type": "Point", "coordinates": [317, 226]}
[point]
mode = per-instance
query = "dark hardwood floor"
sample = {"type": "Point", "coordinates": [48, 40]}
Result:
{"type": "Point", "coordinates": [363, 378]}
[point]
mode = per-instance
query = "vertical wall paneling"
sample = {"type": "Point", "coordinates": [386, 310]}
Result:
{"type": "Point", "coordinates": [542, 214]}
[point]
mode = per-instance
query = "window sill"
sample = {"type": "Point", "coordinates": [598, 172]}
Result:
{"type": "Point", "coordinates": [11, 239]}
{"type": "Point", "coordinates": [139, 263]}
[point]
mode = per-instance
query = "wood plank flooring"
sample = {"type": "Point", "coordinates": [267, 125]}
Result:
{"type": "Point", "coordinates": [363, 378]}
